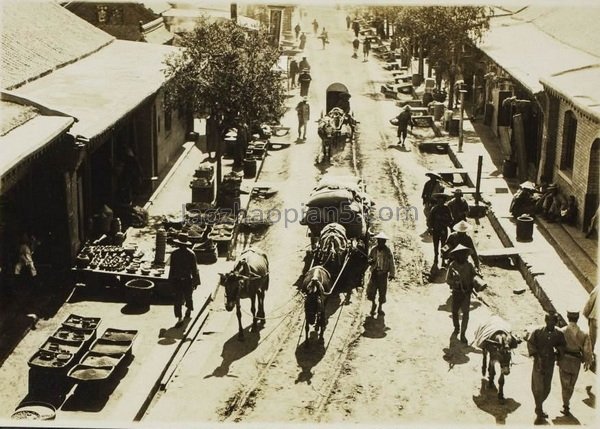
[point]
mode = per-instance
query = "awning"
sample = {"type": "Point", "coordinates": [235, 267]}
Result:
{"type": "Point", "coordinates": [158, 35]}
{"type": "Point", "coordinates": [21, 144]}
{"type": "Point", "coordinates": [101, 89]}
{"type": "Point", "coordinates": [528, 54]}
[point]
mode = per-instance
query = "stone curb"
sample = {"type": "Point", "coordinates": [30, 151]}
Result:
{"type": "Point", "coordinates": [532, 280]}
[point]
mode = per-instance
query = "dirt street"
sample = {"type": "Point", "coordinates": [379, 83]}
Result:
{"type": "Point", "coordinates": [400, 368]}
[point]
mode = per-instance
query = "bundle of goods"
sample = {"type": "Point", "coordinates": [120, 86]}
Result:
{"type": "Point", "coordinates": [205, 171]}
{"type": "Point", "coordinates": [203, 185]}
{"type": "Point", "coordinates": [229, 194]}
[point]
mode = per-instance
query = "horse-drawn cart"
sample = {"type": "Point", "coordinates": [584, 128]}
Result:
{"type": "Point", "coordinates": [337, 126]}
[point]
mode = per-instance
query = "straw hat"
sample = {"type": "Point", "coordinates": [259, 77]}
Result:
{"type": "Point", "coordinates": [527, 185]}
{"type": "Point", "coordinates": [182, 239]}
{"type": "Point", "coordinates": [381, 236]}
{"type": "Point", "coordinates": [433, 174]}
{"type": "Point", "coordinates": [462, 226]}
{"type": "Point", "coordinates": [407, 107]}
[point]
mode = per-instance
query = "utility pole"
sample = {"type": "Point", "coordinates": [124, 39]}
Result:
{"type": "Point", "coordinates": [462, 114]}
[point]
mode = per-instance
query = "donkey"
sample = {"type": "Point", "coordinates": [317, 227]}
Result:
{"type": "Point", "coordinates": [495, 339]}
{"type": "Point", "coordinates": [248, 279]}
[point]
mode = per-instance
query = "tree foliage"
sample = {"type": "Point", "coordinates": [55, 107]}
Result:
{"type": "Point", "coordinates": [226, 71]}
{"type": "Point", "coordinates": [442, 31]}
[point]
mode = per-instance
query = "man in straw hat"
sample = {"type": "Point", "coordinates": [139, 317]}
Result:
{"type": "Point", "coordinates": [303, 110]}
{"type": "Point", "coordinates": [383, 266]}
{"type": "Point", "coordinates": [432, 186]}
{"type": "Point", "coordinates": [404, 120]}
{"type": "Point", "coordinates": [523, 201]}
{"type": "Point", "coordinates": [458, 207]}
{"type": "Point", "coordinates": [438, 221]}
{"type": "Point", "coordinates": [578, 350]}
{"type": "Point", "coordinates": [458, 236]}
{"type": "Point", "coordinates": [183, 276]}
{"type": "Point", "coordinates": [460, 279]}
{"type": "Point", "coordinates": [543, 345]}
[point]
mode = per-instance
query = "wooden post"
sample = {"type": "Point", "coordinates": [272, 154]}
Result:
{"type": "Point", "coordinates": [478, 182]}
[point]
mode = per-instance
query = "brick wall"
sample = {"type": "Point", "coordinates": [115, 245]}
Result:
{"type": "Point", "coordinates": [574, 182]}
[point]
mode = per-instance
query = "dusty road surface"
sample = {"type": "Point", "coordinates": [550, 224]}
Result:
{"type": "Point", "coordinates": [401, 368]}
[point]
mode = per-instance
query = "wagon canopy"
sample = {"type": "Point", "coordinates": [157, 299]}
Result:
{"type": "Point", "coordinates": [338, 96]}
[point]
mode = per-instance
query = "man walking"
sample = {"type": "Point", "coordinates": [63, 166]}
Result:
{"type": "Point", "coordinates": [297, 29]}
{"type": "Point", "coordinates": [458, 236]}
{"type": "Point", "coordinates": [183, 276]}
{"type": "Point", "coordinates": [404, 120]}
{"type": "Point", "coordinates": [438, 221]}
{"type": "Point", "coordinates": [348, 22]}
{"type": "Point", "coordinates": [366, 49]}
{"type": "Point", "coordinates": [543, 345]}
{"type": "Point", "coordinates": [315, 25]}
{"type": "Point", "coordinates": [302, 41]}
{"type": "Point", "coordinates": [303, 110]}
{"type": "Point", "coordinates": [460, 277]}
{"type": "Point", "coordinates": [589, 311]}
{"type": "Point", "coordinates": [294, 70]}
{"type": "Point", "coordinates": [458, 207]}
{"type": "Point", "coordinates": [304, 81]}
{"type": "Point", "coordinates": [578, 349]}
{"type": "Point", "coordinates": [356, 27]}
{"type": "Point", "coordinates": [383, 267]}
{"type": "Point", "coordinates": [355, 46]}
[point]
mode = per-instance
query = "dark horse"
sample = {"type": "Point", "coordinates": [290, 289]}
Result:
{"type": "Point", "coordinates": [495, 339]}
{"type": "Point", "coordinates": [316, 286]}
{"type": "Point", "coordinates": [248, 279]}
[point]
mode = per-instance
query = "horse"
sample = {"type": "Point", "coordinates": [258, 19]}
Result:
{"type": "Point", "coordinates": [316, 285]}
{"type": "Point", "coordinates": [248, 279]}
{"type": "Point", "coordinates": [495, 339]}
{"type": "Point", "coordinates": [332, 247]}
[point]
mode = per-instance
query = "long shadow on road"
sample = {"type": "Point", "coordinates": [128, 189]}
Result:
{"type": "Point", "coordinates": [488, 401]}
{"type": "Point", "coordinates": [234, 349]}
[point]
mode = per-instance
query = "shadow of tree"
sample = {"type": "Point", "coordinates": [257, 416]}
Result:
{"type": "Point", "coordinates": [308, 355]}
{"type": "Point", "coordinates": [488, 401]}
{"type": "Point", "coordinates": [234, 349]}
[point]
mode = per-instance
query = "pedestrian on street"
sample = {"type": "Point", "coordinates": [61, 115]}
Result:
{"type": "Point", "coordinates": [460, 277]}
{"type": "Point", "coordinates": [458, 207]}
{"type": "Point", "coordinates": [297, 29]}
{"type": "Point", "coordinates": [543, 345]}
{"type": "Point", "coordinates": [324, 37]}
{"type": "Point", "coordinates": [523, 201]}
{"type": "Point", "coordinates": [578, 350]}
{"type": "Point", "coordinates": [460, 236]}
{"type": "Point", "coordinates": [432, 186]}
{"type": "Point", "coordinates": [304, 81]}
{"type": "Point", "coordinates": [302, 41]}
{"type": "Point", "coordinates": [404, 120]}
{"type": "Point", "coordinates": [304, 64]}
{"type": "Point", "coordinates": [315, 25]}
{"type": "Point", "coordinates": [183, 276]}
{"type": "Point", "coordinates": [356, 27]}
{"type": "Point", "coordinates": [303, 110]}
{"type": "Point", "coordinates": [294, 70]}
{"type": "Point", "coordinates": [383, 267]}
{"type": "Point", "coordinates": [589, 311]}
{"type": "Point", "coordinates": [438, 222]}
{"type": "Point", "coordinates": [355, 45]}
{"type": "Point", "coordinates": [348, 22]}
{"type": "Point", "coordinates": [366, 49]}
{"type": "Point", "coordinates": [25, 271]}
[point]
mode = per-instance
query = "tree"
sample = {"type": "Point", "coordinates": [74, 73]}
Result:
{"type": "Point", "coordinates": [442, 31]}
{"type": "Point", "coordinates": [227, 72]}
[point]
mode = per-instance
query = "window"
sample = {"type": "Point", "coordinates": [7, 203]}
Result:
{"type": "Point", "coordinates": [568, 141]}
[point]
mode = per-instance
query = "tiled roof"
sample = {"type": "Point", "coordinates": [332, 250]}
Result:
{"type": "Point", "coordinates": [40, 36]}
{"type": "Point", "coordinates": [104, 87]}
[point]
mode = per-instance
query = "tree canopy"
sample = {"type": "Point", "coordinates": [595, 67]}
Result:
{"type": "Point", "coordinates": [226, 71]}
